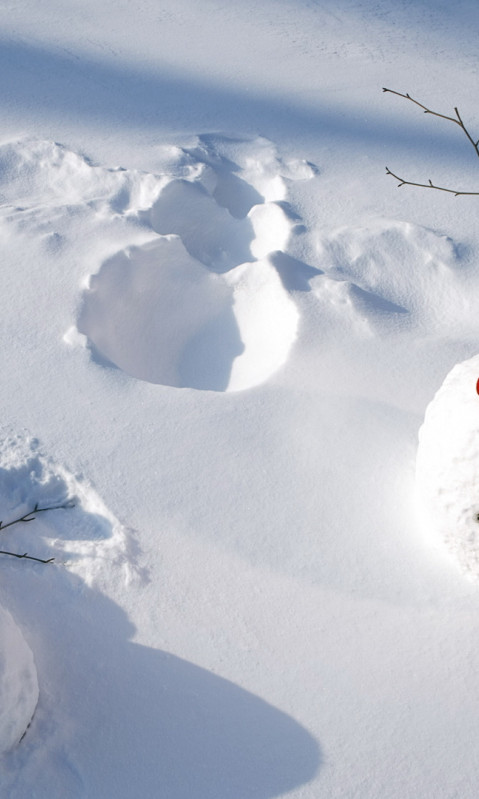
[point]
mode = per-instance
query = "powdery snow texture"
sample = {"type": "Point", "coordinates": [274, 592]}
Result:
{"type": "Point", "coordinates": [447, 470]}
{"type": "Point", "coordinates": [18, 683]}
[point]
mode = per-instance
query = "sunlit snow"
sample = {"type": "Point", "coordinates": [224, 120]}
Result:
{"type": "Point", "coordinates": [241, 365]}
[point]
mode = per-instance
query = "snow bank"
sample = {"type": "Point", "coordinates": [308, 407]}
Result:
{"type": "Point", "coordinates": [447, 471]}
{"type": "Point", "coordinates": [18, 683]}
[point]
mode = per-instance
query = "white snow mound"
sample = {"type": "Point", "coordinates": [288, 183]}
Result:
{"type": "Point", "coordinates": [18, 683]}
{"type": "Point", "coordinates": [447, 468]}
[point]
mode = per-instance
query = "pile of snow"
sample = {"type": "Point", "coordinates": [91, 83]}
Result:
{"type": "Point", "coordinates": [18, 683]}
{"type": "Point", "coordinates": [447, 471]}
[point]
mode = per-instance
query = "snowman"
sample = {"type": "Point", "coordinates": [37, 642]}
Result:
{"type": "Point", "coordinates": [447, 466]}
{"type": "Point", "coordinates": [18, 674]}
{"type": "Point", "coordinates": [18, 683]}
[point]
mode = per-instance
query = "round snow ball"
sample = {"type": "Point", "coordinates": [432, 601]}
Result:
{"type": "Point", "coordinates": [447, 467]}
{"type": "Point", "coordinates": [18, 683]}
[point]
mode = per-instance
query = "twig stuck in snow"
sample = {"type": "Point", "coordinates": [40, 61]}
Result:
{"type": "Point", "coordinates": [457, 121]}
{"type": "Point", "coordinates": [29, 517]}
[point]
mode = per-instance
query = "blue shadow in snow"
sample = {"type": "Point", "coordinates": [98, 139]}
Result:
{"type": "Point", "coordinates": [294, 274]}
{"type": "Point", "coordinates": [207, 360]}
{"type": "Point", "coordinates": [120, 719]}
{"type": "Point", "coordinates": [76, 87]}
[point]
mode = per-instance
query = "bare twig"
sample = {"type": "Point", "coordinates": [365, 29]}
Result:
{"type": "Point", "coordinates": [457, 119]}
{"type": "Point", "coordinates": [428, 185]}
{"type": "Point", "coordinates": [29, 517]}
{"type": "Point", "coordinates": [27, 557]}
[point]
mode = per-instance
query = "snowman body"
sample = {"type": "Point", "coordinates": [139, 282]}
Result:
{"type": "Point", "coordinates": [447, 466]}
{"type": "Point", "coordinates": [18, 683]}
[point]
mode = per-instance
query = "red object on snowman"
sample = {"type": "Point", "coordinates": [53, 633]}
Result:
{"type": "Point", "coordinates": [477, 386]}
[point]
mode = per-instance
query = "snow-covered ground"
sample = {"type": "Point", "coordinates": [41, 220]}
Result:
{"type": "Point", "coordinates": [222, 324]}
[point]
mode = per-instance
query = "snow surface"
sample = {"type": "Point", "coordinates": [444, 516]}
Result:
{"type": "Point", "coordinates": [222, 324]}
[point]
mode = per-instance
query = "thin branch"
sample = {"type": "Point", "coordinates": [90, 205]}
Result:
{"type": "Point", "coordinates": [29, 517]}
{"type": "Point", "coordinates": [428, 185]}
{"type": "Point", "coordinates": [457, 119]}
{"type": "Point", "coordinates": [25, 556]}
{"type": "Point", "coordinates": [425, 108]}
{"type": "Point", "coordinates": [462, 125]}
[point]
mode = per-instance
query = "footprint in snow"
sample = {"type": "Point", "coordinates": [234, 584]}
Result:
{"type": "Point", "coordinates": [203, 304]}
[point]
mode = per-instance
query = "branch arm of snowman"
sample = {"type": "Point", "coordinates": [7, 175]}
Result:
{"type": "Point", "coordinates": [30, 516]}
{"type": "Point", "coordinates": [457, 119]}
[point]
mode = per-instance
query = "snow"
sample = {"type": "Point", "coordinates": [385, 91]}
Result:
{"type": "Point", "coordinates": [223, 327]}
